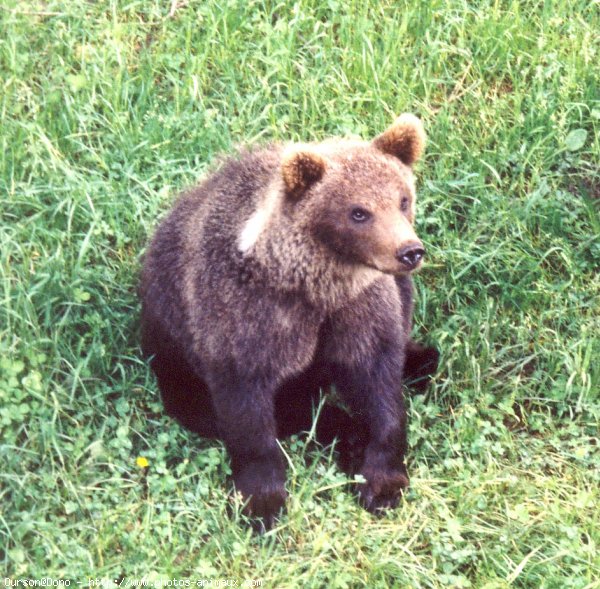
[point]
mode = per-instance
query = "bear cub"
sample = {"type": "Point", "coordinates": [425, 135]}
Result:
{"type": "Point", "coordinates": [286, 271]}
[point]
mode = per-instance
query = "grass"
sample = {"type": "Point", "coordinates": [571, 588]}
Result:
{"type": "Point", "coordinates": [108, 109]}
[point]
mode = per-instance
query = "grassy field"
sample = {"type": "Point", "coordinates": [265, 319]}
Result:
{"type": "Point", "coordinates": [108, 109]}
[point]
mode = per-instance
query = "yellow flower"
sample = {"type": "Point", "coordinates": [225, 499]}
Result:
{"type": "Point", "coordinates": [142, 462]}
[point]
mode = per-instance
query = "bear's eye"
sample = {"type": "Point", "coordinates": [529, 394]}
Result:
{"type": "Point", "coordinates": [404, 204]}
{"type": "Point", "coordinates": [360, 215]}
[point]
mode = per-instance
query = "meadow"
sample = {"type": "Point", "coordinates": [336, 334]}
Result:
{"type": "Point", "coordinates": [109, 108]}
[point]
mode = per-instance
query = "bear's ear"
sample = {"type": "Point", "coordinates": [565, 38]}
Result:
{"type": "Point", "coordinates": [300, 169]}
{"type": "Point", "coordinates": [405, 139]}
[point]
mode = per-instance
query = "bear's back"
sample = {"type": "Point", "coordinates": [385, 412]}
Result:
{"type": "Point", "coordinates": [200, 232]}
{"type": "Point", "coordinates": [227, 199]}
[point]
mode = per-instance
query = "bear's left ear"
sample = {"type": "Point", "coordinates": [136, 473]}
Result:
{"type": "Point", "coordinates": [405, 139]}
{"type": "Point", "coordinates": [300, 169]}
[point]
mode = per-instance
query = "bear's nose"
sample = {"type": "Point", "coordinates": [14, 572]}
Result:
{"type": "Point", "coordinates": [410, 255]}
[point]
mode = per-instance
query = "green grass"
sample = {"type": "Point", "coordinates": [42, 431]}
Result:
{"type": "Point", "coordinates": [108, 109]}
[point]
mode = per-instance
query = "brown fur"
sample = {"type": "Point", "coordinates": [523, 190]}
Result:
{"type": "Point", "coordinates": [405, 139]}
{"type": "Point", "coordinates": [261, 287]}
{"type": "Point", "coordinates": [301, 169]}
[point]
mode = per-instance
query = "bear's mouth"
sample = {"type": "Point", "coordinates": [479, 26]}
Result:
{"type": "Point", "coordinates": [395, 267]}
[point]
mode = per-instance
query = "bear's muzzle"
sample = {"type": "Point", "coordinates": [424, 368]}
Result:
{"type": "Point", "coordinates": [410, 255]}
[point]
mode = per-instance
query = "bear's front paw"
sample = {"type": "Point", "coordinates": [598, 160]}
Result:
{"type": "Point", "coordinates": [264, 494]}
{"type": "Point", "coordinates": [382, 489]}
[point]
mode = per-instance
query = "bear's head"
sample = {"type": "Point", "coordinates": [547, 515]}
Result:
{"type": "Point", "coordinates": [358, 198]}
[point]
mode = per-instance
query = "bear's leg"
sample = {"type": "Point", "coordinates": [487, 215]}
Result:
{"type": "Point", "coordinates": [374, 394]}
{"type": "Point", "coordinates": [420, 364]}
{"type": "Point", "coordinates": [184, 395]}
{"type": "Point", "coordinates": [421, 361]}
{"type": "Point", "coordinates": [365, 344]}
{"type": "Point", "coordinates": [296, 405]}
{"type": "Point", "coordinates": [296, 402]}
{"type": "Point", "coordinates": [246, 423]}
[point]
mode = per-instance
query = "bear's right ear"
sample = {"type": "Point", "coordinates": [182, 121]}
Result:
{"type": "Point", "coordinates": [300, 169]}
{"type": "Point", "coordinates": [405, 139]}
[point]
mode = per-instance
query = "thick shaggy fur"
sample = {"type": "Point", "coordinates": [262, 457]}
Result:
{"type": "Point", "coordinates": [260, 289]}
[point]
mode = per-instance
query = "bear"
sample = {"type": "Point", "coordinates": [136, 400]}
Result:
{"type": "Point", "coordinates": [285, 272]}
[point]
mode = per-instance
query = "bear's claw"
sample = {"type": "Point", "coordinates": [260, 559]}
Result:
{"type": "Point", "coordinates": [382, 490]}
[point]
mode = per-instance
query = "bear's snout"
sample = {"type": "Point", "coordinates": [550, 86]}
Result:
{"type": "Point", "coordinates": [410, 255]}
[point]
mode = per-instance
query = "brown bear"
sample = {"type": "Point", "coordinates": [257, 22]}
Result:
{"type": "Point", "coordinates": [286, 271]}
